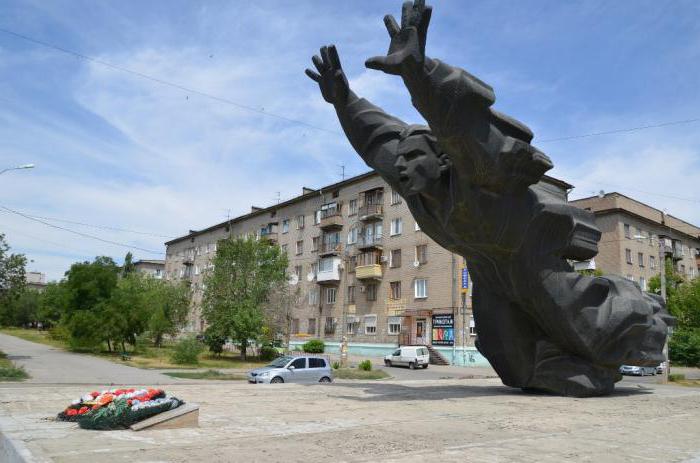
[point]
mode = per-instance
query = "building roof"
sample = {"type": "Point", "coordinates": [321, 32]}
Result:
{"type": "Point", "coordinates": [617, 202]}
{"type": "Point", "coordinates": [308, 193]}
{"type": "Point", "coordinates": [150, 261]}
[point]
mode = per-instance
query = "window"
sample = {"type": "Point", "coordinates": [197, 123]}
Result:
{"type": "Point", "coordinates": [370, 324]}
{"type": "Point", "coordinates": [314, 243]}
{"type": "Point", "coordinates": [312, 326]}
{"type": "Point", "coordinates": [628, 255]}
{"type": "Point", "coordinates": [317, 363]}
{"type": "Point", "coordinates": [682, 269]}
{"type": "Point", "coordinates": [627, 230]}
{"type": "Point", "coordinates": [395, 258]}
{"type": "Point", "coordinates": [422, 253]}
{"type": "Point", "coordinates": [352, 263]}
{"type": "Point", "coordinates": [640, 259]}
{"type": "Point", "coordinates": [643, 283]}
{"type": "Point", "coordinates": [317, 217]}
{"type": "Point", "coordinates": [394, 325]}
{"type": "Point", "coordinates": [314, 269]}
{"type": "Point", "coordinates": [352, 235]}
{"type": "Point", "coordinates": [472, 327]}
{"type": "Point", "coordinates": [313, 297]}
{"type": "Point", "coordinates": [395, 289]}
{"type": "Point", "coordinates": [300, 247]}
{"type": "Point", "coordinates": [284, 248]}
{"type": "Point", "coordinates": [351, 325]}
{"type": "Point", "coordinates": [416, 227]}
{"type": "Point", "coordinates": [630, 277]}
{"type": "Point", "coordinates": [652, 262]}
{"type": "Point", "coordinates": [300, 222]}
{"type": "Point", "coordinates": [295, 326]}
{"type": "Point", "coordinates": [300, 364]}
{"type": "Point", "coordinates": [325, 264]}
{"type": "Point", "coordinates": [396, 226]}
{"type": "Point", "coordinates": [285, 226]}
{"type": "Point", "coordinates": [395, 197]}
{"type": "Point", "coordinates": [298, 270]}
{"type": "Point", "coordinates": [351, 294]}
{"type": "Point", "coordinates": [371, 290]}
{"type": "Point", "coordinates": [352, 207]}
{"type": "Point", "coordinates": [196, 269]}
{"type": "Point", "coordinates": [329, 327]}
{"type": "Point", "coordinates": [421, 288]}
{"type": "Point", "coordinates": [330, 295]}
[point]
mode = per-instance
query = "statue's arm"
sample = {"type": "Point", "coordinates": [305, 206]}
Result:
{"type": "Point", "coordinates": [374, 134]}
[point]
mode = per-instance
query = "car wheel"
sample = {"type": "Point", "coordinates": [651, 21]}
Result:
{"type": "Point", "coordinates": [411, 365]}
{"type": "Point", "coordinates": [387, 363]}
{"type": "Point", "coordinates": [425, 366]}
{"type": "Point", "coordinates": [276, 380]}
{"type": "Point", "coordinates": [325, 379]}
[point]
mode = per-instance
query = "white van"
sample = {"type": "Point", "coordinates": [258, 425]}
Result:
{"type": "Point", "coordinates": [410, 356]}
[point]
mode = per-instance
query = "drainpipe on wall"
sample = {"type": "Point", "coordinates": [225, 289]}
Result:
{"type": "Point", "coordinates": [454, 303]}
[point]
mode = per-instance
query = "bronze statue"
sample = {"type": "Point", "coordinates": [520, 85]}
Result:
{"type": "Point", "coordinates": [472, 180]}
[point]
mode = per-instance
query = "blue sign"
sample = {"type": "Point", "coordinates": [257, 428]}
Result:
{"type": "Point", "coordinates": [465, 279]}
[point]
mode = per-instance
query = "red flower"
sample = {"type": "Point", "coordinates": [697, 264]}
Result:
{"type": "Point", "coordinates": [94, 394]}
{"type": "Point", "coordinates": [71, 412]}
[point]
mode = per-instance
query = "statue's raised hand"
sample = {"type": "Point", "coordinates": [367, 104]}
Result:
{"type": "Point", "coordinates": [407, 46]}
{"type": "Point", "coordinates": [330, 77]}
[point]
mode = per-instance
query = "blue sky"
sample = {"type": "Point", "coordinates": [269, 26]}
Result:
{"type": "Point", "coordinates": [122, 151]}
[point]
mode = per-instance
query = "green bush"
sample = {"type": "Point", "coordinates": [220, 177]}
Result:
{"type": "Point", "coordinates": [83, 331]}
{"type": "Point", "coordinates": [365, 365]}
{"type": "Point", "coordinates": [336, 365]}
{"type": "Point", "coordinates": [214, 341]}
{"type": "Point", "coordinates": [314, 346]}
{"type": "Point", "coordinates": [186, 351]}
{"type": "Point", "coordinates": [684, 347]}
{"type": "Point", "coordinates": [268, 353]}
{"type": "Point", "coordinates": [676, 377]}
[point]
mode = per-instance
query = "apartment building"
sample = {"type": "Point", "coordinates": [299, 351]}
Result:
{"type": "Point", "coordinates": [152, 267]}
{"type": "Point", "coordinates": [362, 266]}
{"type": "Point", "coordinates": [635, 235]}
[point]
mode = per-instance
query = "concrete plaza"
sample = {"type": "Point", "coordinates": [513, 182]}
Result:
{"type": "Point", "coordinates": [430, 420]}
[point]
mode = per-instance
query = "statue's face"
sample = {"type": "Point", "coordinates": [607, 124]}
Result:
{"type": "Point", "coordinates": [417, 169]}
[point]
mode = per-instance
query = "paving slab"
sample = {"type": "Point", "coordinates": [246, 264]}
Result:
{"type": "Point", "coordinates": [434, 420]}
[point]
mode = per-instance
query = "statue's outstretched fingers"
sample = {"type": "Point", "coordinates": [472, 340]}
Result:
{"type": "Point", "coordinates": [334, 58]}
{"type": "Point", "coordinates": [319, 64]}
{"type": "Point", "coordinates": [376, 62]}
{"type": "Point", "coordinates": [312, 75]}
{"type": "Point", "coordinates": [391, 25]}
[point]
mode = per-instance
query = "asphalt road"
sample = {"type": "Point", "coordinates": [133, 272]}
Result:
{"type": "Point", "coordinates": [48, 365]}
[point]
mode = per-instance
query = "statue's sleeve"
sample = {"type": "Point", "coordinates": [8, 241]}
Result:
{"type": "Point", "coordinates": [375, 135]}
{"type": "Point", "coordinates": [451, 100]}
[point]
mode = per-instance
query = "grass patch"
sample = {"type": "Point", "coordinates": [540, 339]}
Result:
{"type": "Point", "coordinates": [9, 371]}
{"type": "Point", "coordinates": [354, 373]}
{"type": "Point", "coordinates": [146, 356]}
{"type": "Point", "coordinates": [208, 374]}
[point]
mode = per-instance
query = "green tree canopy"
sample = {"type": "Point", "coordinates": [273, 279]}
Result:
{"type": "Point", "coordinates": [12, 275]}
{"type": "Point", "coordinates": [245, 271]}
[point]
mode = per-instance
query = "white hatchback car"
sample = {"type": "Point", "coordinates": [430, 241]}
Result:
{"type": "Point", "coordinates": [410, 356]}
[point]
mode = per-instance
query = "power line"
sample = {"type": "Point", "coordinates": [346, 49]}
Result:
{"type": "Point", "coordinates": [692, 200]}
{"type": "Point", "coordinates": [84, 235]}
{"type": "Point", "coordinates": [631, 129]}
{"type": "Point", "coordinates": [165, 82]}
{"type": "Point", "coordinates": [58, 245]}
{"type": "Point", "coordinates": [102, 227]}
{"type": "Point", "coordinates": [285, 118]}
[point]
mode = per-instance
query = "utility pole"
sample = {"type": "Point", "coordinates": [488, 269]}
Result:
{"type": "Point", "coordinates": [662, 281]}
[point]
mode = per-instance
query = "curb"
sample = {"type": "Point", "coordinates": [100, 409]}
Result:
{"type": "Point", "coordinates": [14, 451]}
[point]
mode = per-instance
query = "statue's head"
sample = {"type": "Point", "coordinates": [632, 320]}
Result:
{"type": "Point", "coordinates": [418, 160]}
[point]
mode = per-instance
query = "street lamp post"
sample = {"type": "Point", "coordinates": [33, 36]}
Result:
{"type": "Point", "coordinates": [23, 166]}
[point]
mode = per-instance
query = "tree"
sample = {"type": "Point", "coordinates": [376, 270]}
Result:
{"type": "Point", "coordinates": [168, 304]}
{"type": "Point", "coordinates": [245, 271]}
{"type": "Point", "coordinates": [673, 279]}
{"type": "Point", "coordinates": [128, 266]}
{"type": "Point", "coordinates": [52, 304]}
{"type": "Point", "coordinates": [12, 275]}
{"type": "Point", "coordinates": [278, 309]}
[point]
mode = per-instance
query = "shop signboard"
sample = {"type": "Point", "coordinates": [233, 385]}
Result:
{"type": "Point", "coordinates": [465, 280]}
{"type": "Point", "coordinates": [443, 330]}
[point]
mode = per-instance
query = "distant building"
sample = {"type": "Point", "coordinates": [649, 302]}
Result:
{"type": "Point", "coordinates": [634, 235]}
{"type": "Point", "coordinates": [364, 268]}
{"type": "Point", "coordinates": [153, 268]}
{"type": "Point", "coordinates": [36, 281]}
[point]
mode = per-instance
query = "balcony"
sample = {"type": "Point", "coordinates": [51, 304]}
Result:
{"type": "Point", "coordinates": [368, 272]}
{"type": "Point", "coordinates": [328, 271]}
{"type": "Point", "coordinates": [269, 235]}
{"type": "Point", "coordinates": [369, 212]}
{"type": "Point", "coordinates": [331, 219]}
{"type": "Point", "coordinates": [327, 249]}
{"type": "Point", "coordinates": [369, 242]}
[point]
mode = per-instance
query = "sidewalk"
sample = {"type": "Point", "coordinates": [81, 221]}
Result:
{"type": "Point", "coordinates": [385, 421]}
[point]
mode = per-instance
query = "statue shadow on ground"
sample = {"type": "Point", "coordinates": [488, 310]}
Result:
{"type": "Point", "coordinates": [389, 392]}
